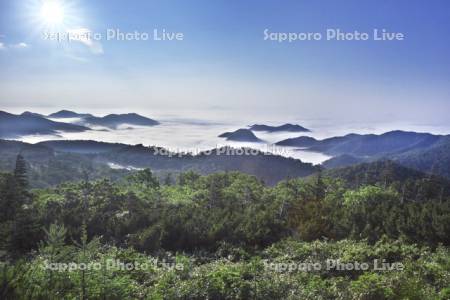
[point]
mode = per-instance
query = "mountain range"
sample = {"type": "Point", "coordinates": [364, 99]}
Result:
{"type": "Point", "coordinates": [115, 120]}
{"type": "Point", "coordinates": [421, 151]}
{"type": "Point", "coordinates": [247, 135]}
{"type": "Point", "coordinates": [13, 126]}
{"type": "Point", "coordinates": [365, 144]}
{"type": "Point", "coordinates": [53, 162]}
{"type": "Point", "coordinates": [29, 123]}
{"type": "Point", "coordinates": [70, 158]}
{"type": "Point", "coordinates": [424, 152]}
{"type": "Point", "coordinates": [282, 128]}
{"type": "Point", "coordinates": [110, 121]}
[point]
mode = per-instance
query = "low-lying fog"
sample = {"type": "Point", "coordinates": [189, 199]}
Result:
{"type": "Point", "coordinates": [195, 132]}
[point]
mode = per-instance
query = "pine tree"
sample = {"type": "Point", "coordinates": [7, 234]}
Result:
{"type": "Point", "coordinates": [146, 178]}
{"type": "Point", "coordinates": [168, 179]}
{"type": "Point", "coordinates": [319, 187]}
{"type": "Point", "coordinates": [87, 251]}
{"type": "Point", "coordinates": [20, 172]}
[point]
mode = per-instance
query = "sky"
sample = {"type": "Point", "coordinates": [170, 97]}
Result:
{"type": "Point", "coordinates": [224, 63]}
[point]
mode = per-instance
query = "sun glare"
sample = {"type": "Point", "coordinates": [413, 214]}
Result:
{"type": "Point", "coordinates": [52, 12]}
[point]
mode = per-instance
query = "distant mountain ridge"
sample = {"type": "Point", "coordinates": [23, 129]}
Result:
{"type": "Point", "coordinates": [301, 141]}
{"type": "Point", "coordinates": [366, 144]}
{"type": "Point", "coordinates": [71, 155]}
{"type": "Point", "coordinates": [63, 114]}
{"type": "Point", "coordinates": [285, 127]}
{"type": "Point", "coordinates": [434, 159]}
{"type": "Point", "coordinates": [114, 120]}
{"type": "Point", "coordinates": [110, 121]}
{"type": "Point", "coordinates": [29, 113]}
{"type": "Point", "coordinates": [13, 126]}
{"type": "Point", "coordinates": [421, 151]}
{"type": "Point", "coordinates": [30, 123]}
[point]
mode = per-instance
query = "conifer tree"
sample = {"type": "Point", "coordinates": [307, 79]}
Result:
{"type": "Point", "coordinates": [20, 172]}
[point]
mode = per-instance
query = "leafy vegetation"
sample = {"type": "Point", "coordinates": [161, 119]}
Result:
{"type": "Point", "coordinates": [226, 236]}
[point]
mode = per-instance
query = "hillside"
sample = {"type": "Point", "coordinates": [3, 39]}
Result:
{"type": "Point", "coordinates": [390, 173]}
{"type": "Point", "coordinates": [70, 158]}
{"type": "Point", "coordinates": [368, 144]}
{"type": "Point", "coordinates": [343, 160]}
{"type": "Point", "coordinates": [421, 151]}
{"type": "Point", "coordinates": [301, 142]}
{"type": "Point", "coordinates": [81, 146]}
{"type": "Point", "coordinates": [434, 159]}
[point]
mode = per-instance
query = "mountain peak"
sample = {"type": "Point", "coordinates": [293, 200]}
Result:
{"type": "Point", "coordinates": [288, 127]}
{"type": "Point", "coordinates": [67, 114]}
{"type": "Point", "coordinates": [114, 120]}
{"type": "Point", "coordinates": [241, 135]}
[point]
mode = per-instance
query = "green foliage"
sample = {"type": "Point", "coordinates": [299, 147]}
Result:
{"type": "Point", "coordinates": [371, 286]}
{"type": "Point", "coordinates": [145, 178]}
{"type": "Point", "coordinates": [223, 229]}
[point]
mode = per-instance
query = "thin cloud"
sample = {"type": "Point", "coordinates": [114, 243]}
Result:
{"type": "Point", "coordinates": [84, 36]}
{"type": "Point", "coordinates": [21, 45]}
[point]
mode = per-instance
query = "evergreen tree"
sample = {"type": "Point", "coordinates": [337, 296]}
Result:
{"type": "Point", "coordinates": [20, 172]}
{"type": "Point", "coordinates": [146, 178]}
{"type": "Point", "coordinates": [168, 179]}
{"type": "Point", "coordinates": [319, 187]}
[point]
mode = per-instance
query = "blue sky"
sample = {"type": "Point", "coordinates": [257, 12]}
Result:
{"type": "Point", "coordinates": [223, 60]}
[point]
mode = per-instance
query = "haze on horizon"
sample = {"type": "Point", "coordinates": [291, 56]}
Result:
{"type": "Point", "coordinates": [223, 62]}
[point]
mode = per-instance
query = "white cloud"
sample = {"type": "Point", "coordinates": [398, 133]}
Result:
{"type": "Point", "coordinates": [20, 45]}
{"type": "Point", "coordinates": [84, 36]}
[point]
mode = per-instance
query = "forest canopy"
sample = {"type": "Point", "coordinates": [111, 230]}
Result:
{"type": "Point", "coordinates": [225, 236]}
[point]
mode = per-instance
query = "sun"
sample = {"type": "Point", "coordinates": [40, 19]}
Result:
{"type": "Point", "coordinates": [52, 12]}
